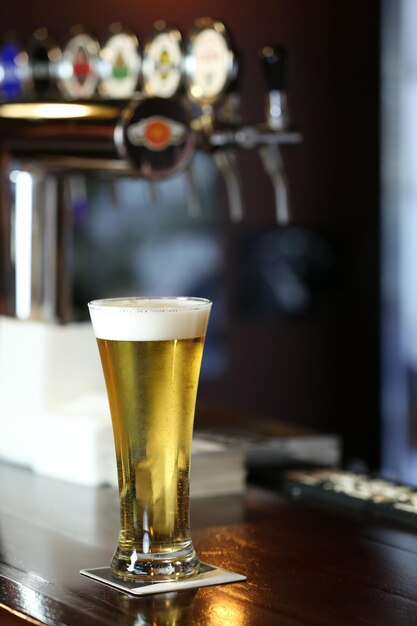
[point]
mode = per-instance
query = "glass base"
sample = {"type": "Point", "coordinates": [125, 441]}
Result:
{"type": "Point", "coordinates": [158, 567]}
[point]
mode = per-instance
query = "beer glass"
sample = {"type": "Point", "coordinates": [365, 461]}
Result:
{"type": "Point", "coordinates": [151, 351]}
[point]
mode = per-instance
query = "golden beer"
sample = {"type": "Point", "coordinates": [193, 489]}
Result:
{"type": "Point", "coordinates": [151, 352]}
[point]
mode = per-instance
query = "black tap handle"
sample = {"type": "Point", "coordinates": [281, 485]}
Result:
{"type": "Point", "coordinates": [236, 80]}
{"type": "Point", "coordinates": [273, 59]}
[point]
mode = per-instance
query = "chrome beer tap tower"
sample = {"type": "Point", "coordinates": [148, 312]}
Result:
{"type": "Point", "coordinates": [71, 113]}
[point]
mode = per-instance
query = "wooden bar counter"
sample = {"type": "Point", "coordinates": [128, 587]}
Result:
{"type": "Point", "coordinates": [303, 565]}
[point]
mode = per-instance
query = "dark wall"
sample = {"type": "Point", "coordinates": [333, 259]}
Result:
{"type": "Point", "coordinates": [316, 370]}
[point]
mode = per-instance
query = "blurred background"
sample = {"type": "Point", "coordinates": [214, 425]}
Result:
{"type": "Point", "coordinates": [313, 322]}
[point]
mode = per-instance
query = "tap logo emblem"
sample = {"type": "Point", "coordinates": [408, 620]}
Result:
{"type": "Point", "coordinates": [163, 64]}
{"type": "Point", "coordinates": [120, 69]}
{"type": "Point", "coordinates": [13, 70]}
{"type": "Point", "coordinates": [156, 133]}
{"type": "Point", "coordinates": [81, 65]}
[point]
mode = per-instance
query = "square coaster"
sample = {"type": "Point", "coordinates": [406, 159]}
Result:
{"type": "Point", "coordinates": [209, 575]}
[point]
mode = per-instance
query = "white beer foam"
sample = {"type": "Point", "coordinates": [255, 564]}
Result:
{"type": "Point", "coordinates": [149, 319]}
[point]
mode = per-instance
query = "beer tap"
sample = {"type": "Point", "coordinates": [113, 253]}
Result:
{"type": "Point", "coordinates": [44, 58]}
{"type": "Point", "coordinates": [157, 133]}
{"type": "Point", "coordinates": [14, 69]}
{"type": "Point", "coordinates": [119, 70]}
{"type": "Point", "coordinates": [211, 75]}
{"type": "Point", "coordinates": [120, 63]}
{"type": "Point", "coordinates": [228, 114]}
{"type": "Point", "coordinates": [155, 137]}
{"type": "Point", "coordinates": [162, 61]}
{"type": "Point", "coordinates": [266, 137]}
{"type": "Point", "coordinates": [162, 78]}
{"type": "Point", "coordinates": [78, 71]}
{"type": "Point", "coordinates": [277, 120]}
{"type": "Point", "coordinates": [226, 162]}
{"type": "Point", "coordinates": [193, 196]}
{"type": "Point", "coordinates": [153, 192]}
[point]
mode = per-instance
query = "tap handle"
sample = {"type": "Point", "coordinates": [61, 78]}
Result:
{"type": "Point", "coordinates": [155, 137]}
{"type": "Point", "coordinates": [273, 60]}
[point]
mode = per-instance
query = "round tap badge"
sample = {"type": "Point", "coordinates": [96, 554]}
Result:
{"type": "Point", "coordinates": [120, 65]}
{"type": "Point", "coordinates": [163, 61]}
{"type": "Point", "coordinates": [157, 133]}
{"type": "Point", "coordinates": [44, 56]}
{"type": "Point", "coordinates": [155, 137]}
{"type": "Point", "coordinates": [78, 71]}
{"type": "Point", "coordinates": [209, 63]}
{"type": "Point", "coordinates": [14, 70]}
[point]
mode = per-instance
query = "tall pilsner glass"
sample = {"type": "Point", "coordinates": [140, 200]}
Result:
{"type": "Point", "coordinates": [151, 351]}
